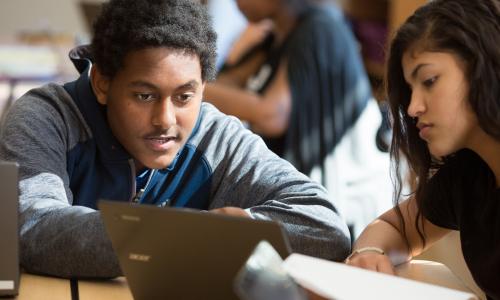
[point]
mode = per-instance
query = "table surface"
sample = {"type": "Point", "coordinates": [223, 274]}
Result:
{"type": "Point", "coordinates": [433, 273]}
{"type": "Point", "coordinates": [42, 287]}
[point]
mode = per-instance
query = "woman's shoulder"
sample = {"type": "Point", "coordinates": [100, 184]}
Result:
{"type": "Point", "coordinates": [464, 168]}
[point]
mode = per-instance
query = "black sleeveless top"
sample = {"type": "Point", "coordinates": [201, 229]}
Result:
{"type": "Point", "coordinates": [463, 196]}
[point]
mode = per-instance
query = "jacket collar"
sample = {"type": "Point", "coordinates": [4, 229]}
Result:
{"type": "Point", "coordinates": [93, 112]}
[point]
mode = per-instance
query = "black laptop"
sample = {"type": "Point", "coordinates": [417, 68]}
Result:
{"type": "Point", "coordinates": [173, 253]}
{"type": "Point", "coordinates": [9, 233]}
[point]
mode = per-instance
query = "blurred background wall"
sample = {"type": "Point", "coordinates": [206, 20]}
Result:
{"type": "Point", "coordinates": [61, 16]}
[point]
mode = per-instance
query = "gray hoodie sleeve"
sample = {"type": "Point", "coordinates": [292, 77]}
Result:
{"type": "Point", "coordinates": [248, 175]}
{"type": "Point", "coordinates": [56, 238]}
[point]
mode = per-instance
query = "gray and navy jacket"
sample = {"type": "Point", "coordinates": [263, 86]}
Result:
{"type": "Point", "coordinates": [69, 159]}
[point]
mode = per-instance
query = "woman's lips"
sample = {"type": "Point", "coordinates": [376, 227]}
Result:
{"type": "Point", "coordinates": [424, 129]}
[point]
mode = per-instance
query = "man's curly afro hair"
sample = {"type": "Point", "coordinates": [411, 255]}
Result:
{"type": "Point", "coordinates": [128, 25]}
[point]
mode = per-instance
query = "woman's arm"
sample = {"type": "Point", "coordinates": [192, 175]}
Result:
{"type": "Point", "coordinates": [268, 114]}
{"type": "Point", "coordinates": [386, 233]}
{"type": "Point", "coordinates": [253, 35]}
{"type": "Point", "coordinates": [238, 75]}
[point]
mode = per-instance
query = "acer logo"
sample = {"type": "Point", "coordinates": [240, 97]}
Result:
{"type": "Point", "coordinates": [139, 257]}
{"type": "Point", "coordinates": [130, 218]}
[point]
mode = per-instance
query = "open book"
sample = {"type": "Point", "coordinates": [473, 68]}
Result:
{"type": "Point", "coordinates": [265, 273]}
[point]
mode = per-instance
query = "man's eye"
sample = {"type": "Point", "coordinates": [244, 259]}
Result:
{"type": "Point", "coordinates": [185, 97]}
{"type": "Point", "coordinates": [145, 97]}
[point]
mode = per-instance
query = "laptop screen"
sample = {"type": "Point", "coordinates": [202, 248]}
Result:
{"type": "Point", "coordinates": [184, 254]}
{"type": "Point", "coordinates": [9, 256]}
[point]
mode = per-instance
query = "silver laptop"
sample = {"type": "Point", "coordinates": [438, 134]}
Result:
{"type": "Point", "coordinates": [181, 253]}
{"type": "Point", "coordinates": [9, 233]}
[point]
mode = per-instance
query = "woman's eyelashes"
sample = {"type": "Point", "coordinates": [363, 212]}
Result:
{"type": "Point", "coordinates": [428, 83]}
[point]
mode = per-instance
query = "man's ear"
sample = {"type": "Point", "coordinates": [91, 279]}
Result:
{"type": "Point", "coordinates": [203, 85]}
{"type": "Point", "coordinates": [100, 84]}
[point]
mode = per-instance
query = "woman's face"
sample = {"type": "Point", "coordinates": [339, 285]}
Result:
{"type": "Point", "coordinates": [439, 92]}
{"type": "Point", "coordinates": [258, 10]}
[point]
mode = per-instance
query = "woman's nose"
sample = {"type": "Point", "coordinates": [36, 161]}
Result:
{"type": "Point", "coordinates": [417, 104]}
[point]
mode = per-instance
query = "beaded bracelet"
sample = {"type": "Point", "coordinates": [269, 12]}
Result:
{"type": "Point", "coordinates": [365, 249]}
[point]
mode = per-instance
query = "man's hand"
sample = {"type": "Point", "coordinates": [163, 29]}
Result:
{"type": "Point", "coordinates": [231, 211]}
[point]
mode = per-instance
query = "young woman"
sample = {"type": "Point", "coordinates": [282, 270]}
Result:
{"type": "Point", "coordinates": [443, 84]}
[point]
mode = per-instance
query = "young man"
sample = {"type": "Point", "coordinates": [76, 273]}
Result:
{"type": "Point", "coordinates": [133, 128]}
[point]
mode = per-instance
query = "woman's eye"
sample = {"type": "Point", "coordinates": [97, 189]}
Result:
{"type": "Point", "coordinates": [429, 82]}
{"type": "Point", "coordinates": [144, 97]}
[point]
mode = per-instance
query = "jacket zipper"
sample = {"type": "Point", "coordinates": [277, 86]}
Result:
{"type": "Point", "coordinates": [139, 194]}
{"type": "Point", "coordinates": [132, 173]}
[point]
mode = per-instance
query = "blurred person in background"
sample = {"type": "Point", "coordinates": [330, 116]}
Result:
{"type": "Point", "coordinates": [305, 91]}
{"type": "Point", "coordinates": [228, 23]}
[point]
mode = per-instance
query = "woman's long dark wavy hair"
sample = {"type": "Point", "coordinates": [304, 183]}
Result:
{"type": "Point", "coordinates": [469, 29]}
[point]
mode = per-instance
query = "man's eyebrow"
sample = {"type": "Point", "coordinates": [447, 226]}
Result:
{"type": "Point", "coordinates": [139, 83]}
{"type": "Point", "coordinates": [143, 84]}
{"type": "Point", "coordinates": [190, 84]}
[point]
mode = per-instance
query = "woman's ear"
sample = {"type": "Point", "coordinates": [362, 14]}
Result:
{"type": "Point", "coordinates": [100, 85]}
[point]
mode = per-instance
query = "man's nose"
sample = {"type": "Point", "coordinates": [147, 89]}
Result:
{"type": "Point", "coordinates": [164, 114]}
